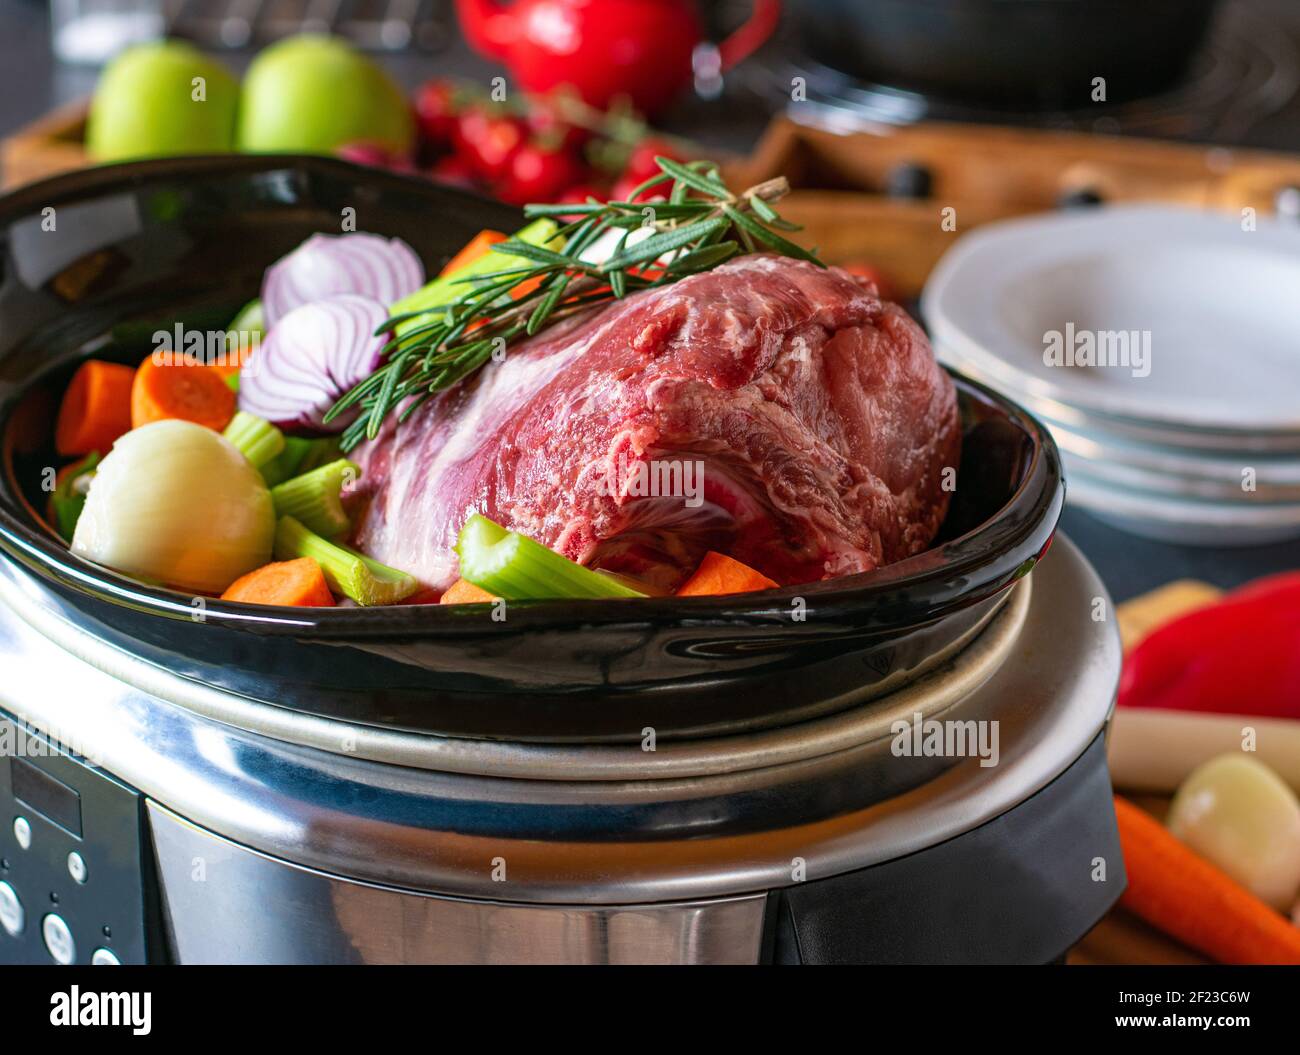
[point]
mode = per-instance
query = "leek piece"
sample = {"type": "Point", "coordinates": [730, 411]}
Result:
{"type": "Point", "coordinates": [315, 499]}
{"type": "Point", "coordinates": [300, 456]}
{"type": "Point", "coordinates": [350, 573]}
{"type": "Point", "coordinates": [69, 498]}
{"type": "Point", "coordinates": [446, 288]}
{"type": "Point", "coordinates": [513, 566]}
{"type": "Point", "coordinates": [257, 440]}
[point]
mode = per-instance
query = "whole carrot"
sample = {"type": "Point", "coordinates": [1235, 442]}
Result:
{"type": "Point", "coordinates": [1185, 896]}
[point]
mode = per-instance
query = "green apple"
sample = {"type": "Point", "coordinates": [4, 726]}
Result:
{"type": "Point", "coordinates": [312, 94]}
{"type": "Point", "coordinates": [162, 98]}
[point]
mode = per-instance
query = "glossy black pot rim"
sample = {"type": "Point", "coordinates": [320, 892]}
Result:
{"type": "Point", "coordinates": [961, 572]}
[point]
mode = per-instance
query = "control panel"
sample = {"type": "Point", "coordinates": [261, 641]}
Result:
{"type": "Point", "coordinates": [74, 875]}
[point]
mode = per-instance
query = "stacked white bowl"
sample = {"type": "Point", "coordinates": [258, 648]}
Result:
{"type": "Point", "coordinates": [1161, 345]}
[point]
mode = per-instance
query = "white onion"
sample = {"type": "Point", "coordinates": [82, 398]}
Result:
{"type": "Point", "coordinates": [174, 502]}
{"type": "Point", "coordinates": [1240, 815]}
{"type": "Point", "coordinates": [310, 358]}
{"type": "Point", "coordinates": [385, 269]}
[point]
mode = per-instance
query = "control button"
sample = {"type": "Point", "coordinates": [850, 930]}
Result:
{"type": "Point", "coordinates": [77, 866]}
{"type": "Point", "coordinates": [22, 832]}
{"type": "Point", "coordinates": [58, 939]}
{"type": "Point", "coordinates": [102, 957]}
{"type": "Point", "coordinates": [11, 910]}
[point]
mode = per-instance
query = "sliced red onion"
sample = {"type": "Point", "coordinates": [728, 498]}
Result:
{"type": "Point", "coordinates": [386, 269]}
{"type": "Point", "coordinates": [311, 357]}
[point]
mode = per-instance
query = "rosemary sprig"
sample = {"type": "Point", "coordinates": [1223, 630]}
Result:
{"type": "Point", "coordinates": [699, 226]}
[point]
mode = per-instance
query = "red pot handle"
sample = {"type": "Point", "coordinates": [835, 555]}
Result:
{"type": "Point", "coordinates": [752, 35]}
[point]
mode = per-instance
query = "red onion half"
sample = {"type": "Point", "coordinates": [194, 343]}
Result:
{"type": "Point", "coordinates": [311, 357]}
{"type": "Point", "coordinates": [386, 269]}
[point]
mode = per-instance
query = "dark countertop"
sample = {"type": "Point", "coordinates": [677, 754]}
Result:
{"type": "Point", "coordinates": [31, 83]}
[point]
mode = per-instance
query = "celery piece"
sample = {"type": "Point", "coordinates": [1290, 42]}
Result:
{"type": "Point", "coordinates": [314, 499]}
{"type": "Point", "coordinates": [250, 320]}
{"type": "Point", "coordinates": [300, 456]}
{"type": "Point", "coordinates": [350, 573]}
{"type": "Point", "coordinates": [257, 440]}
{"type": "Point", "coordinates": [513, 566]}
{"type": "Point", "coordinates": [446, 288]}
{"type": "Point", "coordinates": [67, 499]}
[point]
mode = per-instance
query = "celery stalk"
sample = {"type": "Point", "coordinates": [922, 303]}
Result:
{"type": "Point", "coordinates": [68, 499]}
{"type": "Point", "coordinates": [314, 499]}
{"type": "Point", "coordinates": [257, 440]}
{"type": "Point", "coordinates": [446, 288]}
{"type": "Point", "coordinates": [350, 573]}
{"type": "Point", "coordinates": [249, 320]}
{"type": "Point", "coordinates": [300, 456]}
{"type": "Point", "coordinates": [517, 568]}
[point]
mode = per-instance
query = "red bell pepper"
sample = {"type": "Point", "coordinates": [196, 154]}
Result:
{"type": "Point", "coordinates": [1240, 655]}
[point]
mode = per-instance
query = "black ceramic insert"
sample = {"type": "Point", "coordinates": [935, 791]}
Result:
{"type": "Point", "coordinates": [139, 247]}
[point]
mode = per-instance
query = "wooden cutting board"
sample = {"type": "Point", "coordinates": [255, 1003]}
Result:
{"type": "Point", "coordinates": [841, 183]}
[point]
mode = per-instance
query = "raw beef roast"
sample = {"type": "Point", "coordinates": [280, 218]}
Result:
{"type": "Point", "coordinates": [769, 409]}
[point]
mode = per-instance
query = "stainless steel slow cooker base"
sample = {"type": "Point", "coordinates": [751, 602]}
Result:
{"type": "Point", "coordinates": [339, 848]}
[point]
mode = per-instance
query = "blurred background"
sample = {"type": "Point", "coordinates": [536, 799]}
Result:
{"type": "Point", "coordinates": [1212, 70]}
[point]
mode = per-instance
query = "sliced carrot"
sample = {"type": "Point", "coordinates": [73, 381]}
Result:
{"type": "Point", "coordinates": [189, 391]}
{"type": "Point", "coordinates": [234, 362]}
{"type": "Point", "coordinates": [1173, 888]}
{"type": "Point", "coordinates": [462, 592]}
{"type": "Point", "coordinates": [96, 408]}
{"type": "Point", "coordinates": [719, 574]}
{"type": "Point", "coordinates": [480, 245]}
{"type": "Point", "coordinates": [298, 583]}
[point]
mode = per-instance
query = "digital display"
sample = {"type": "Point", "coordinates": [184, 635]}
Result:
{"type": "Point", "coordinates": [51, 798]}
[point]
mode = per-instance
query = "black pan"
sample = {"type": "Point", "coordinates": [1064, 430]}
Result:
{"type": "Point", "coordinates": [1014, 54]}
{"type": "Point", "coordinates": [138, 247]}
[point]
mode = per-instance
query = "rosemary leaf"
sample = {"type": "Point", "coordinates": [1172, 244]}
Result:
{"type": "Point", "coordinates": [572, 209]}
{"type": "Point", "coordinates": [700, 182]}
{"type": "Point", "coordinates": [547, 304]}
{"type": "Point", "coordinates": [656, 245]}
{"type": "Point", "coordinates": [710, 256]}
{"type": "Point", "coordinates": [539, 253]}
{"type": "Point", "coordinates": [748, 224]}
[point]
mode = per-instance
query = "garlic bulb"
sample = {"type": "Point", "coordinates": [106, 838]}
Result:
{"type": "Point", "coordinates": [175, 503]}
{"type": "Point", "coordinates": [1238, 814]}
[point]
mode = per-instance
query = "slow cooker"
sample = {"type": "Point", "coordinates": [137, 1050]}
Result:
{"type": "Point", "coordinates": [906, 766]}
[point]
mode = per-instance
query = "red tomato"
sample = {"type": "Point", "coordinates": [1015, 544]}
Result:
{"type": "Point", "coordinates": [627, 184]}
{"type": "Point", "coordinates": [488, 140]}
{"type": "Point", "coordinates": [580, 192]}
{"type": "Point", "coordinates": [549, 128]}
{"type": "Point", "coordinates": [536, 174]}
{"type": "Point", "coordinates": [641, 163]}
{"type": "Point", "coordinates": [435, 112]}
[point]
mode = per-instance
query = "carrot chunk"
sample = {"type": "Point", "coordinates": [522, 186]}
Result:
{"type": "Point", "coordinates": [298, 583]}
{"type": "Point", "coordinates": [96, 408]}
{"type": "Point", "coordinates": [1174, 889]}
{"type": "Point", "coordinates": [188, 391]}
{"type": "Point", "coordinates": [719, 574]}
{"type": "Point", "coordinates": [480, 245]}
{"type": "Point", "coordinates": [462, 592]}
